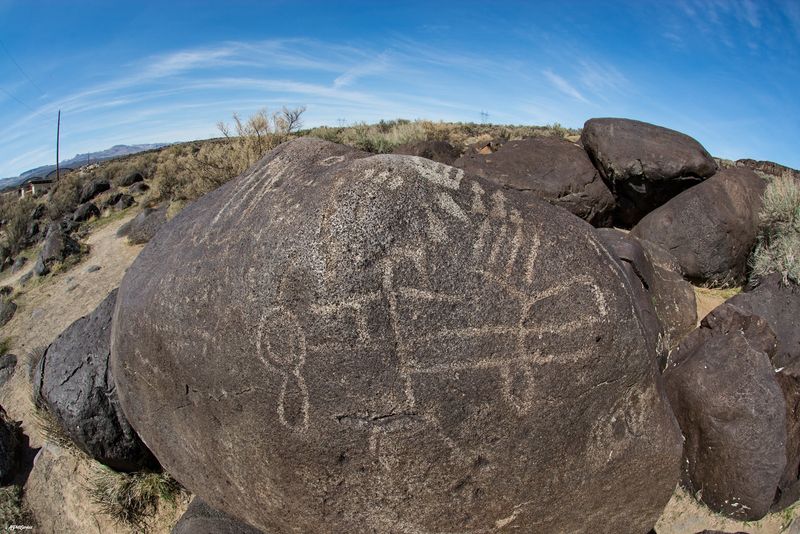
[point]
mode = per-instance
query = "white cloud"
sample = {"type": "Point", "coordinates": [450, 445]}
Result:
{"type": "Point", "coordinates": [564, 86]}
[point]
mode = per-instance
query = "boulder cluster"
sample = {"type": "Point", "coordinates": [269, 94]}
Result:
{"type": "Point", "coordinates": [432, 341]}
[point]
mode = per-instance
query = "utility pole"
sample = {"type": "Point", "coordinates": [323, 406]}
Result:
{"type": "Point", "coordinates": [484, 117]}
{"type": "Point", "coordinates": [58, 142]}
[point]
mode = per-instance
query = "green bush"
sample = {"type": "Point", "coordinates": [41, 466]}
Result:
{"type": "Point", "coordinates": [778, 247]}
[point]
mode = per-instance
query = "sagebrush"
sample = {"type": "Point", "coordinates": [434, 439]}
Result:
{"type": "Point", "coordinates": [132, 498]}
{"type": "Point", "coordinates": [778, 247]}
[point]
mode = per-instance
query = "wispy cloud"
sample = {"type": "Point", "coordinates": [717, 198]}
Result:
{"type": "Point", "coordinates": [564, 86]}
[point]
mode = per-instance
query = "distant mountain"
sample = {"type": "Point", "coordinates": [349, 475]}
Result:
{"type": "Point", "coordinates": [116, 151]}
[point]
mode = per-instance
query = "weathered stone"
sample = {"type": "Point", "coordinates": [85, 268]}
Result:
{"type": "Point", "coordinates": [644, 165]}
{"type": "Point", "coordinates": [125, 201]}
{"type": "Point", "coordinates": [200, 518]}
{"type": "Point", "coordinates": [7, 310]}
{"type": "Point", "coordinates": [440, 151]}
{"type": "Point", "coordinates": [768, 167]}
{"type": "Point", "coordinates": [711, 228]}
{"type": "Point", "coordinates": [84, 212]}
{"type": "Point", "coordinates": [39, 211]}
{"type": "Point", "coordinates": [73, 382]}
{"type": "Point", "coordinates": [400, 346]}
{"type": "Point", "coordinates": [138, 188]}
{"type": "Point", "coordinates": [6, 291]}
{"type": "Point", "coordinates": [19, 263]}
{"type": "Point", "coordinates": [130, 179]}
{"type": "Point", "coordinates": [729, 404]}
{"type": "Point", "coordinates": [9, 447]}
{"type": "Point", "coordinates": [93, 188]}
{"type": "Point", "coordinates": [144, 226]}
{"type": "Point", "coordinates": [550, 169]}
{"type": "Point", "coordinates": [58, 246]}
{"type": "Point", "coordinates": [8, 363]}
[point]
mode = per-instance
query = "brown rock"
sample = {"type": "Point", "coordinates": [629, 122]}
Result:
{"type": "Point", "coordinates": [549, 169]}
{"type": "Point", "coordinates": [340, 343]}
{"type": "Point", "coordinates": [440, 151]}
{"type": "Point", "coordinates": [644, 165]}
{"type": "Point", "coordinates": [711, 228]}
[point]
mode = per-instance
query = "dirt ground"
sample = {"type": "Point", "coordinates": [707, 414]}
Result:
{"type": "Point", "coordinates": [57, 487]}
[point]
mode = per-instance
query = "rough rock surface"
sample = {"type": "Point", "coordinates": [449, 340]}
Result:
{"type": "Point", "coordinates": [440, 151]}
{"type": "Point", "coordinates": [130, 179]}
{"type": "Point", "coordinates": [768, 167]}
{"type": "Point", "coordinates": [724, 392]}
{"type": "Point", "coordinates": [401, 347]}
{"type": "Point", "coordinates": [8, 363]}
{"type": "Point", "coordinates": [84, 212]}
{"type": "Point", "coordinates": [7, 310]}
{"type": "Point", "coordinates": [138, 188]}
{"type": "Point", "coordinates": [711, 228]}
{"type": "Point", "coordinates": [18, 264]}
{"type": "Point", "coordinates": [645, 165]}
{"type": "Point", "coordinates": [124, 201]}
{"type": "Point", "coordinates": [200, 518]}
{"type": "Point", "coordinates": [550, 169]}
{"type": "Point", "coordinates": [93, 188]}
{"type": "Point", "coordinates": [9, 447]}
{"type": "Point", "coordinates": [144, 226]}
{"type": "Point", "coordinates": [665, 300]}
{"type": "Point", "coordinates": [57, 247]}
{"type": "Point", "coordinates": [73, 382]}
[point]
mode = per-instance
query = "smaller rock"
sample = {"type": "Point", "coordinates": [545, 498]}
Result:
{"type": "Point", "coordinates": [125, 201]}
{"type": "Point", "coordinates": [84, 212]}
{"type": "Point", "coordinates": [8, 362]}
{"type": "Point", "coordinates": [38, 212]}
{"type": "Point", "coordinates": [57, 247]}
{"type": "Point", "coordinates": [9, 447]}
{"type": "Point", "coordinates": [19, 263]}
{"type": "Point", "coordinates": [6, 291]}
{"type": "Point", "coordinates": [144, 226]}
{"type": "Point", "coordinates": [200, 518]}
{"type": "Point", "coordinates": [25, 278]}
{"type": "Point", "coordinates": [130, 179]}
{"type": "Point", "coordinates": [92, 189]}
{"type": "Point", "coordinates": [7, 310]}
{"type": "Point", "coordinates": [138, 188]}
{"type": "Point", "coordinates": [112, 199]}
{"type": "Point", "coordinates": [92, 268]}
{"type": "Point", "coordinates": [440, 151]}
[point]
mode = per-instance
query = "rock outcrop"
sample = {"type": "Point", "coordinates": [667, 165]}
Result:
{"type": "Point", "coordinates": [550, 169]}
{"type": "Point", "coordinates": [401, 347]}
{"type": "Point", "coordinates": [711, 229]}
{"type": "Point", "coordinates": [72, 381]}
{"type": "Point", "coordinates": [144, 226]}
{"type": "Point", "coordinates": [644, 165]}
{"type": "Point", "coordinates": [9, 447]}
{"type": "Point", "coordinates": [731, 409]}
{"type": "Point", "coordinates": [200, 518]}
{"type": "Point", "coordinates": [58, 246]}
{"type": "Point", "coordinates": [84, 212]}
{"type": "Point", "coordinates": [93, 188]}
{"type": "Point", "coordinates": [130, 179]}
{"type": "Point", "coordinates": [440, 151]}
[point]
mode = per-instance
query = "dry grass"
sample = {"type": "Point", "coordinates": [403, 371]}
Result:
{"type": "Point", "coordinates": [13, 510]}
{"type": "Point", "coordinates": [778, 248]}
{"type": "Point", "coordinates": [132, 498]}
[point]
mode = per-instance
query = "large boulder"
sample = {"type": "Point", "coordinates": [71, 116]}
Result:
{"type": "Point", "coordinates": [664, 299]}
{"type": "Point", "coordinates": [440, 151]}
{"type": "Point", "coordinates": [725, 394]}
{"type": "Point", "coordinates": [58, 246]}
{"type": "Point", "coordinates": [9, 447]}
{"type": "Point", "coordinates": [144, 226]}
{"type": "Point", "coordinates": [644, 165]}
{"type": "Point", "coordinates": [130, 179]}
{"type": "Point", "coordinates": [779, 305]}
{"type": "Point", "coordinates": [73, 382]}
{"type": "Point", "coordinates": [93, 188]}
{"type": "Point", "coordinates": [711, 229]}
{"type": "Point", "coordinates": [400, 346]}
{"type": "Point", "coordinates": [84, 212]}
{"type": "Point", "coordinates": [200, 518]}
{"type": "Point", "coordinates": [7, 310]}
{"type": "Point", "coordinates": [550, 169]}
{"type": "Point", "coordinates": [8, 363]}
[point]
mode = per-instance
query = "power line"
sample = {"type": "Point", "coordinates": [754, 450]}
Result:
{"type": "Point", "coordinates": [18, 100]}
{"type": "Point", "coordinates": [19, 67]}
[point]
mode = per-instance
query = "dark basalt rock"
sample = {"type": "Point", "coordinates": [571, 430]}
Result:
{"type": "Point", "coordinates": [84, 212]}
{"type": "Point", "coordinates": [93, 188]}
{"type": "Point", "coordinates": [440, 151]}
{"type": "Point", "coordinates": [74, 383]}
{"type": "Point", "coordinates": [731, 409]}
{"type": "Point", "coordinates": [400, 346]}
{"type": "Point", "coordinates": [200, 518]}
{"type": "Point", "coordinates": [9, 447]}
{"type": "Point", "coordinates": [7, 310]}
{"type": "Point", "coordinates": [18, 264]}
{"type": "Point", "coordinates": [711, 228]}
{"type": "Point", "coordinates": [550, 169]}
{"type": "Point", "coordinates": [58, 246]}
{"type": "Point", "coordinates": [144, 226]}
{"type": "Point", "coordinates": [644, 165]}
{"type": "Point", "coordinates": [124, 201]}
{"type": "Point", "coordinates": [8, 362]}
{"type": "Point", "coordinates": [138, 188]}
{"type": "Point", "coordinates": [130, 179]}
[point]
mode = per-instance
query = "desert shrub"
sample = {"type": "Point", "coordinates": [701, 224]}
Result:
{"type": "Point", "coordinates": [5, 346]}
{"type": "Point", "coordinates": [12, 509]}
{"type": "Point", "coordinates": [132, 498]}
{"type": "Point", "coordinates": [778, 247]}
{"type": "Point", "coordinates": [65, 195]}
{"type": "Point", "coordinates": [17, 214]}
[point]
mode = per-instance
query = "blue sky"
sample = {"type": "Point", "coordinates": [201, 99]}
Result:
{"type": "Point", "coordinates": [724, 71]}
